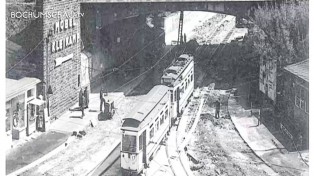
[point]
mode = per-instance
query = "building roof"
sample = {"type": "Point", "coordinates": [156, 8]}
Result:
{"type": "Point", "coordinates": [300, 69]}
{"type": "Point", "coordinates": [17, 87]}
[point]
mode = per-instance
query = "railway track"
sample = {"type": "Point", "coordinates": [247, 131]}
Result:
{"type": "Point", "coordinates": [113, 158]}
{"type": "Point", "coordinates": [180, 138]}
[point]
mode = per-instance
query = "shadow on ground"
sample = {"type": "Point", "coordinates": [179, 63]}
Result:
{"type": "Point", "coordinates": [103, 116]}
{"type": "Point", "coordinates": [22, 156]}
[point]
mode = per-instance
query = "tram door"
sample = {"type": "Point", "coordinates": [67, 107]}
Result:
{"type": "Point", "coordinates": [178, 100]}
{"type": "Point", "coordinates": [144, 148]}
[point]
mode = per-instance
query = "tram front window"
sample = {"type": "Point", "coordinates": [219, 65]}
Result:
{"type": "Point", "coordinates": [129, 143]}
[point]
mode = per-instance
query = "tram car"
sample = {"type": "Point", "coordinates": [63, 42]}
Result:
{"type": "Point", "coordinates": [148, 124]}
{"type": "Point", "coordinates": [179, 77]}
{"type": "Point", "coordinates": [144, 129]}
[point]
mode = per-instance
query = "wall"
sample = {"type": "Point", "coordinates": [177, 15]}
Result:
{"type": "Point", "coordinates": [300, 115]}
{"type": "Point", "coordinates": [64, 77]}
{"type": "Point", "coordinates": [267, 81]}
{"type": "Point", "coordinates": [294, 119]}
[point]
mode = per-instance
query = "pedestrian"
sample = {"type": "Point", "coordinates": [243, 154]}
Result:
{"type": "Point", "coordinates": [81, 102]}
{"type": "Point", "coordinates": [102, 100]}
{"type": "Point", "coordinates": [217, 104]}
{"type": "Point", "coordinates": [235, 93]}
{"type": "Point", "coordinates": [106, 92]}
{"type": "Point", "coordinates": [86, 95]}
{"type": "Point", "coordinates": [300, 141]}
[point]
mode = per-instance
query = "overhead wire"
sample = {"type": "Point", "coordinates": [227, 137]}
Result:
{"type": "Point", "coordinates": [143, 25]}
{"type": "Point", "coordinates": [125, 62]}
{"type": "Point", "coordinates": [146, 71]}
{"type": "Point", "coordinates": [128, 60]}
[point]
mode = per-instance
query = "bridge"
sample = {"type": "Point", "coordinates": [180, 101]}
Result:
{"type": "Point", "coordinates": [113, 10]}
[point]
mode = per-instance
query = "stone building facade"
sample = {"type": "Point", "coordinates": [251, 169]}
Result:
{"type": "Point", "coordinates": [61, 53]}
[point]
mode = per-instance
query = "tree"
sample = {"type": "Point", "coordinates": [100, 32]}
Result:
{"type": "Point", "coordinates": [281, 31]}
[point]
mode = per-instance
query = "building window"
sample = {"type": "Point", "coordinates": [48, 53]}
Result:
{"type": "Point", "coordinates": [30, 93]}
{"type": "Point", "coordinates": [18, 111]}
{"type": "Point", "coordinates": [301, 98]}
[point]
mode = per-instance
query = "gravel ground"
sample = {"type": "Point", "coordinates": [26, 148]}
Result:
{"type": "Point", "coordinates": [219, 148]}
{"type": "Point", "coordinates": [81, 154]}
{"type": "Point", "coordinates": [203, 34]}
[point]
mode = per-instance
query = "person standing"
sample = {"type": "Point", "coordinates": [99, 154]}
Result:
{"type": "Point", "coordinates": [86, 95]}
{"type": "Point", "coordinates": [81, 102]}
{"type": "Point", "coordinates": [300, 141]}
{"type": "Point", "coordinates": [217, 104]}
{"type": "Point", "coordinates": [102, 100]}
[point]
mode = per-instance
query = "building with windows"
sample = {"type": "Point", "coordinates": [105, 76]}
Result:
{"type": "Point", "coordinates": [51, 49]}
{"type": "Point", "coordinates": [295, 103]}
{"type": "Point", "coordinates": [24, 111]}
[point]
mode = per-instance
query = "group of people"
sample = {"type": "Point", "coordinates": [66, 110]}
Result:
{"type": "Point", "coordinates": [83, 100]}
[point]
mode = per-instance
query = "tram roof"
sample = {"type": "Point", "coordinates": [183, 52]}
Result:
{"type": "Point", "coordinates": [177, 67]}
{"type": "Point", "coordinates": [145, 110]}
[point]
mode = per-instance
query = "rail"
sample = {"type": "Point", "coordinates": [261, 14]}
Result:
{"type": "Point", "coordinates": [175, 145]}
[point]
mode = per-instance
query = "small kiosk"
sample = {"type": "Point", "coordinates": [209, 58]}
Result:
{"type": "Point", "coordinates": [25, 111]}
{"type": "Point", "coordinates": [109, 108]}
{"type": "Point", "coordinates": [36, 116]}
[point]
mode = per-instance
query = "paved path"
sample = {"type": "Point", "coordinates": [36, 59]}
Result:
{"type": "Point", "coordinates": [179, 138]}
{"type": "Point", "coordinates": [72, 121]}
{"type": "Point", "coordinates": [174, 155]}
{"type": "Point", "coordinates": [20, 157]}
{"type": "Point", "coordinates": [263, 143]}
{"type": "Point", "coordinates": [190, 132]}
{"type": "Point", "coordinates": [34, 151]}
{"type": "Point", "coordinates": [160, 166]}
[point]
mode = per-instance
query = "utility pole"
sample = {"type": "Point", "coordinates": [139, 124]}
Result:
{"type": "Point", "coordinates": [48, 89]}
{"type": "Point", "coordinates": [180, 36]}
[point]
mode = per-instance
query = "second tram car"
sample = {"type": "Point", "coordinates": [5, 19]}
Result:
{"type": "Point", "coordinates": [144, 129]}
{"type": "Point", "coordinates": [179, 77]}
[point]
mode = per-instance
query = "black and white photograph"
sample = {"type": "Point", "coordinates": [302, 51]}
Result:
{"type": "Point", "coordinates": [156, 88]}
